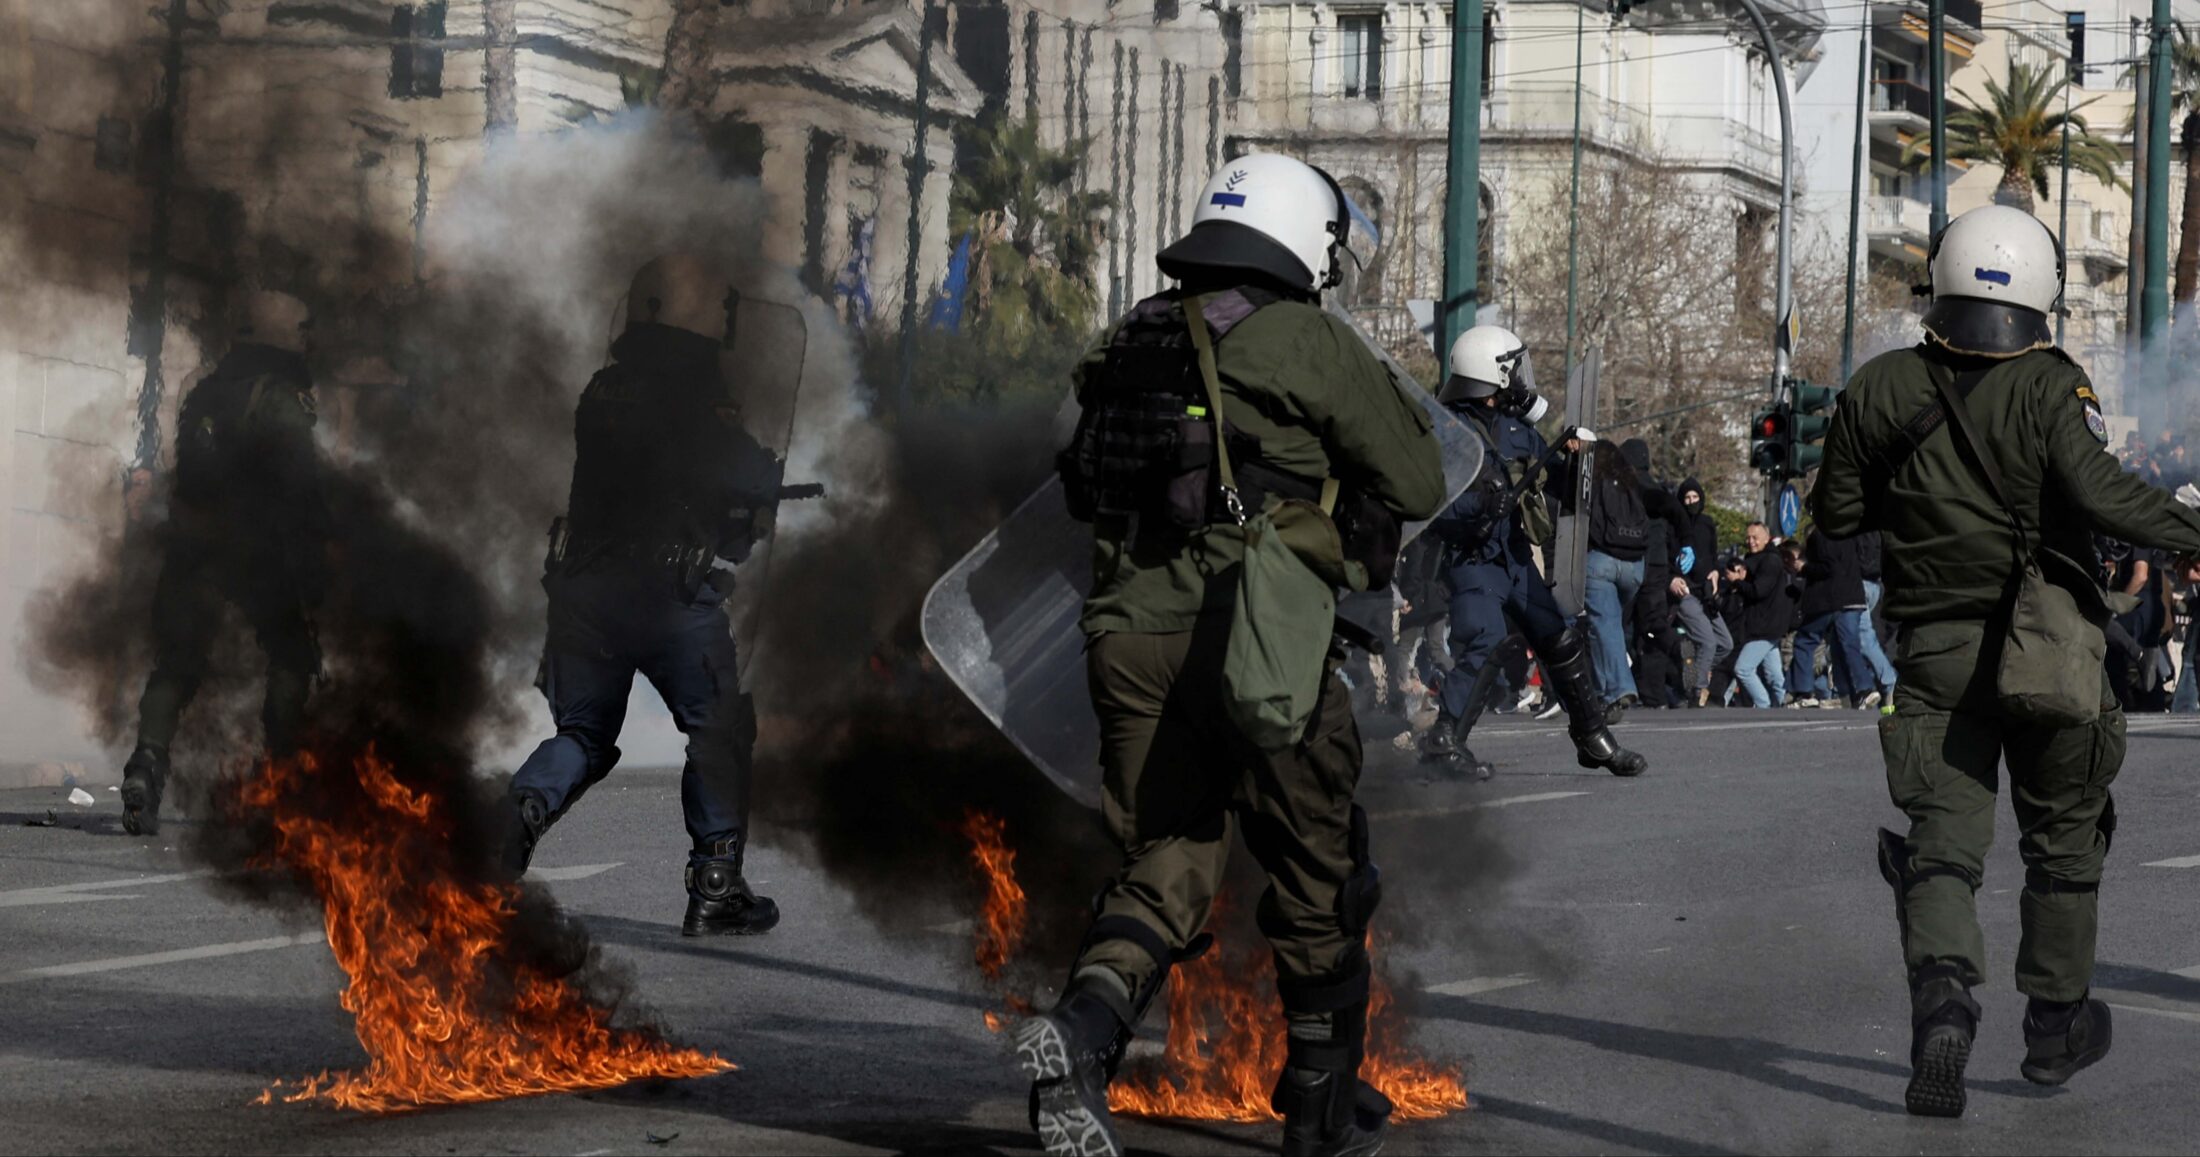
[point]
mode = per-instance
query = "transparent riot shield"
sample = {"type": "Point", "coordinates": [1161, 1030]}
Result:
{"type": "Point", "coordinates": [1003, 621]}
{"type": "Point", "coordinates": [1569, 550]}
{"type": "Point", "coordinates": [763, 370]}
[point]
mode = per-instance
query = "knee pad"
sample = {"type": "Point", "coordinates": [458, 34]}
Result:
{"type": "Point", "coordinates": [1362, 892]}
{"type": "Point", "coordinates": [1567, 647]}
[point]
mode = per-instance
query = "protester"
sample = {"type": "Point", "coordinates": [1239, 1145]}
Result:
{"type": "Point", "coordinates": [1619, 529]}
{"type": "Point", "coordinates": [1761, 583]}
{"type": "Point", "coordinates": [1832, 604]}
{"type": "Point", "coordinates": [1707, 632]}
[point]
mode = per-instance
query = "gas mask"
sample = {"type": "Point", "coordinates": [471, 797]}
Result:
{"type": "Point", "coordinates": [1518, 397]}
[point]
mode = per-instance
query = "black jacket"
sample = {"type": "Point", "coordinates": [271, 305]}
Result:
{"type": "Point", "coordinates": [1835, 568]}
{"type": "Point", "coordinates": [1768, 600]}
{"type": "Point", "coordinates": [1702, 534]}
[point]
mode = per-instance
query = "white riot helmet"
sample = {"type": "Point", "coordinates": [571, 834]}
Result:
{"type": "Point", "coordinates": [1490, 359]}
{"type": "Point", "coordinates": [685, 292]}
{"type": "Point", "coordinates": [1265, 213]}
{"type": "Point", "coordinates": [1997, 275]}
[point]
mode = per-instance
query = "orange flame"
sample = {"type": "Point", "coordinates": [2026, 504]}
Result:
{"type": "Point", "coordinates": [444, 1013]}
{"type": "Point", "coordinates": [1001, 920]}
{"type": "Point", "coordinates": [1227, 1040]}
{"type": "Point", "coordinates": [1227, 1043]}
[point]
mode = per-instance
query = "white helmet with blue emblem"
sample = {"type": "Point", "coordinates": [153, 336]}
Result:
{"type": "Point", "coordinates": [1997, 276]}
{"type": "Point", "coordinates": [1269, 214]}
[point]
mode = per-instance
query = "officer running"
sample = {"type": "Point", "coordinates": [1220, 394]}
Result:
{"type": "Point", "coordinates": [247, 526]}
{"type": "Point", "coordinates": [1896, 463]}
{"type": "Point", "coordinates": [1305, 401]}
{"type": "Point", "coordinates": [667, 486]}
{"type": "Point", "coordinates": [1490, 532]}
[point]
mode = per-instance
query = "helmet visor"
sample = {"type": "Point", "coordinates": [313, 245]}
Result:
{"type": "Point", "coordinates": [1519, 367]}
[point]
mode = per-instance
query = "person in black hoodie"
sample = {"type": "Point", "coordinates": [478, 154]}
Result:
{"type": "Point", "coordinates": [1619, 531]}
{"type": "Point", "coordinates": [1832, 604]}
{"type": "Point", "coordinates": [1697, 564]}
{"type": "Point", "coordinates": [1762, 584]}
{"type": "Point", "coordinates": [1655, 645]}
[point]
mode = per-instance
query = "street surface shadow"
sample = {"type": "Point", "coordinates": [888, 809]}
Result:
{"type": "Point", "coordinates": [2147, 982]}
{"type": "Point", "coordinates": [666, 938]}
{"type": "Point", "coordinates": [1605, 1132]}
{"type": "Point", "coordinates": [1745, 1057]}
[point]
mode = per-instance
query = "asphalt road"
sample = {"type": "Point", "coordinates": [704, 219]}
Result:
{"type": "Point", "coordinates": [1702, 960]}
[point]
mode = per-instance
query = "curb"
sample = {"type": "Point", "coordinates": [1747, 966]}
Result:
{"type": "Point", "coordinates": [57, 773]}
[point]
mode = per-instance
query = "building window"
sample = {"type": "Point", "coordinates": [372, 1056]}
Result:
{"type": "Point", "coordinates": [1233, 49]}
{"type": "Point", "coordinates": [416, 52]}
{"type": "Point", "coordinates": [1489, 53]}
{"type": "Point", "coordinates": [1360, 49]}
{"type": "Point", "coordinates": [981, 48]}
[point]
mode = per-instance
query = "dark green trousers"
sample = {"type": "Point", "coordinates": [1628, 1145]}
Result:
{"type": "Point", "coordinates": [195, 582]}
{"type": "Point", "coordinates": [1944, 747]}
{"type": "Point", "coordinates": [1179, 780]}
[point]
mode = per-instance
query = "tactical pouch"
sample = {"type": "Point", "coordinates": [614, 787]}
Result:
{"type": "Point", "coordinates": [1280, 623]}
{"type": "Point", "coordinates": [1144, 446]}
{"type": "Point", "coordinates": [2053, 645]}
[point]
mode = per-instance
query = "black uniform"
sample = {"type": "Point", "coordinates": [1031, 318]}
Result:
{"type": "Point", "coordinates": [248, 527]}
{"type": "Point", "coordinates": [666, 484]}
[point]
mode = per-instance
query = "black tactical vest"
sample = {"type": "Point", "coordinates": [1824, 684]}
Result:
{"type": "Point", "coordinates": [1145, 443]}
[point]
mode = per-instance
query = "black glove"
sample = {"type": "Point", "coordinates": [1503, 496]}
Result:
{"type": "Point", "coordinates": [1499, 500]}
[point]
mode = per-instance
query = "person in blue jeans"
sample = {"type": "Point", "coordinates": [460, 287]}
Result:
{"type": "Point", "coordinates": [1761, 582]}
{"type": "Point", "coordinates": [1619, 534]}
{"type": "Point", "coordinates": [1832, 605]}
{"type": "Point", "coordinates": [667, 492]}
{"type": "Point", "coordinates": [1875, 655]}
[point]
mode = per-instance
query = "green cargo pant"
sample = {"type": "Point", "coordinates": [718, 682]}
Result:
{"type": "Point", "coordinates": [1178, 778]}
{"type": "Point", "coordinates": [1944, 745]}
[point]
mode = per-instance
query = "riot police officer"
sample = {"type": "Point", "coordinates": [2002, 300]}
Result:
{"type": "Point", "coordinates": [1490, 532]}
{"type": "Point", "coordinates": [247, 526]}
{"type": "Point", "coordinates": [1303, 402]}
{"type": "Point", "coordinates": [1964, 495]}
{"type": "Point", "coordinates": [667, 489]}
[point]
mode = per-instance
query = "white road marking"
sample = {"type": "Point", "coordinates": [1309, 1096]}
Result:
{"type": "Point", "coordinates": [2172, 1013]}
{"type": "Point", "coordinates": [574, 872]}
{"type": "Point", "coordinates": [1477, 985]}
{"type": "Point", "coordinates": [1455, 809]}
{"type": "Point", "coordinates": [2179, 862]}
{"type": "Point", "coordinates": [86, 893]}
{"type": "Point", "coordinates": [151, 959]}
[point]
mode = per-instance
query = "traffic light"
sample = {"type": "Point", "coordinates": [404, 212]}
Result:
{"type": "Point", "coordinates": [1807, 425]}
{"type": "Point", "coordinates": [1768, 448]}
{"type": "Point", "coordinates": [2074, 28]}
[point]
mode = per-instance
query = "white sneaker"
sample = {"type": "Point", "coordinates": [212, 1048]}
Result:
{"type": "Point", "coordinates": [1869, 702]}
{"type": "Point", "coordinates": [1803, 703]}
{"type": "Point", "coordinates": [1551, 709]}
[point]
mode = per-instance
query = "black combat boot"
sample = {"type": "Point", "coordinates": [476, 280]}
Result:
{"type": "Point", "coordinates": [719, 900]}
{"type": "Point", "coordinates": [1328, 1111]}
{"type": "Point", "coordinates": [1566, 660]}
{"type": "Point", "coordinates": [1070, 1054]}
{"type": "Point", "coordinates": [2061, 1038]}
{"type": "Point", "coordinates": [1442, 745]}
{"type": "Point", "coordinates": [144, 778]}
{"type": "Point", "coordinates": [1943, 1020]}
{"type": "Point", "coordinates": [526, 817]}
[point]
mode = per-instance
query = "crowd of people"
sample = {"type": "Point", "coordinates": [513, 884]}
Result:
{"type": "Point", "coordinates": [1679, 619]}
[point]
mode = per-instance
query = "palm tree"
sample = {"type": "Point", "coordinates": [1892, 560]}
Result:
{"type": "Point", "coordinates": [2019, 127]}
{"type": "Point", "coordinates": [1036, 235]}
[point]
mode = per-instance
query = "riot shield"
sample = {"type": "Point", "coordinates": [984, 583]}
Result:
{"type": "Point", "coordinates": [1569, 550]}
{"type": "Point", "coordinates": [763, 370]}
{"type": "Point", "coordinates": [1003, 621]}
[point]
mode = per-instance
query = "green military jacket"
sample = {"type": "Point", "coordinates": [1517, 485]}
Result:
{"type": "Point", "coordinates": [1947, 547]}
{"type": "Point", "coordinates": [1322, 405]}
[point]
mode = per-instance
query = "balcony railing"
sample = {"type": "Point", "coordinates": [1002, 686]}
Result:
{"type": "Point", "coordinates": [1886, 215]}
{"type": "Point", "coordinates": [1903, 96]}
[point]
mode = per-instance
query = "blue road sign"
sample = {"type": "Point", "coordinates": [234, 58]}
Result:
{"type": "Point", "coordinates": [1791, 511]}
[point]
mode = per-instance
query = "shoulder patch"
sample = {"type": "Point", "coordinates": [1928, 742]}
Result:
{"type": "Point", "coordinates": [2094, 422]}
